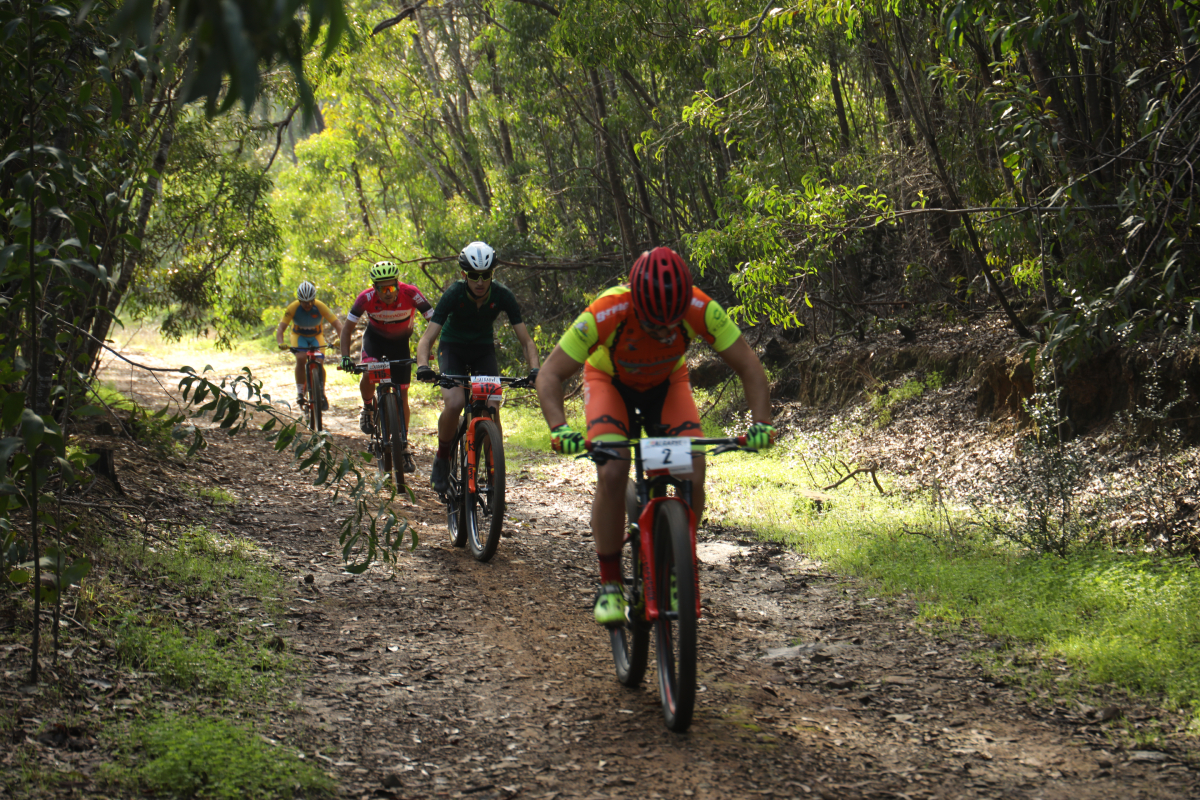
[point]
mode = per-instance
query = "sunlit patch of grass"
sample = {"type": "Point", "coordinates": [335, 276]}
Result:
{"type": "Point", "coordinates": [191, 756]}
{"type": "Point", "coordinates": [1133, 622]}
{"type": "Point", "coordinates": [200, 562]}
{"type": "Point", "coordinates": [198, 659]}
{"type": "Point", "coordinates": [213, 494]}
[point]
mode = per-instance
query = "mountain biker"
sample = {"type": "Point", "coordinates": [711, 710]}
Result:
{"type": "Point", "coordinates": [464, 317]}
{"type": "Point", "coordinates": [308, 316]}
{"type": "Point", "coordinates": [632, 343]}
{"type": "Point", "coordinates": [391, 308]}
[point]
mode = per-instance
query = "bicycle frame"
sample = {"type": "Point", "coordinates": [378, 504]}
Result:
{"type": "Point", "coordinates": [651, 488]}
{"type": "Point", "coordinates": [477, 407]}
{"type": "Point", "coordinates": [315, 357]}
{"type": "Point", "coordinates": [380, 374]}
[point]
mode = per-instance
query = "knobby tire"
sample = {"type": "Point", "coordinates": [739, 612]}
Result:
{"type": "Point", "coordinates": [316, 390]}
{"type": "Point", "coordinates": [383, 457]}
{"type": "Point", "coordinates": [485, 506]}
{"type": "Point", "coordinates": [631, 640]}
{"type": "Point", "coordinates": [456, 507]}
{"type": "Point", "coordinates": [393, 442]}
{"type": "Point", "coordinates": [675, 628]}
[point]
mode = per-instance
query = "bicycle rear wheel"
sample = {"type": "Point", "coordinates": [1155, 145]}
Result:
{"type": "Point", "coordinates": [393, 442]}
{"type": "Point", "coordinates": [316, 390]}
{"type": "Point", "coordinates": [675, 628]}
{"type": "Point", "coordinates": [631, 640]}
{"type": "Point", "coordinates": [456, 507]}
{"type": "Point", "coordinates": [485, 506]}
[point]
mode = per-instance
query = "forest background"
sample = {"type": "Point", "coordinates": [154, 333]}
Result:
{"type": "Point", "coordinates": [828, 168]}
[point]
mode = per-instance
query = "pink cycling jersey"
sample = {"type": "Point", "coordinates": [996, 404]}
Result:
{"type": "Point", "coordinates": [394, 321]}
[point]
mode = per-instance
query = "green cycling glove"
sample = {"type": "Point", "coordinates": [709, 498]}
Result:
{"type": "Point", "coordinates": [566, 441]}
{"type": "Point", "coordinates": [760, 436]}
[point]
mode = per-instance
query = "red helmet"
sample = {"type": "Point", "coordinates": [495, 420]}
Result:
{"type": "Point", "coordinates": [661, 286]}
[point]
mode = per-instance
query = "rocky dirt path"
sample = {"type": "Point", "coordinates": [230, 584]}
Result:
{"type": "Point", "coordinates": [452, 678]}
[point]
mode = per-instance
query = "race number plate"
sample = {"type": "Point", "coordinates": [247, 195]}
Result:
{"type": "Point", "coordinates": [485, 387]}
{"type": "Point", "coordinates": [379, 372]}
{"type": "Point", "coordinates": [673, 455]}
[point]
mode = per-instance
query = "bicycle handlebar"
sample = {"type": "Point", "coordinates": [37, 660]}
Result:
{"type": "Point", "coordinates": [464, 381]}
{"type": "Point", "coordinates": [306, 349]}
{"type": "Point", "coordinates": [357, 368]}
{"type": "Point", "coordinates": [738, 442]}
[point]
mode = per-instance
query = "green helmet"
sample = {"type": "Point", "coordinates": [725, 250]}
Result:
{"type": "Point", "coordinates": [384, 270]}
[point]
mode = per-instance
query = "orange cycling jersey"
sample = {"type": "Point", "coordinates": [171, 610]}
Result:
{"type": "Point", "coordinates": [608, 337]}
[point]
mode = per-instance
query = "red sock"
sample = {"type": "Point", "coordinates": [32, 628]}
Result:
{"type": "Point", "coordinates": [443, 450]}
{"type": "Point", "coordinates": [610, 567]}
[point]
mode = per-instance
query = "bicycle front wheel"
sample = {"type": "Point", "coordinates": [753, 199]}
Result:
{"type": "Point", "coordinates": [485, 505]}
{"type": "Point", "coordinates": [631, 640]}
{"type": "Point", "coordinates": [316, 390]}
{"type": "Point", "coordinates": [456, 507]}
{"type": "Point", "coordinates": [675, 628]}
{"type": "Point", "coordinates": [393, 442]}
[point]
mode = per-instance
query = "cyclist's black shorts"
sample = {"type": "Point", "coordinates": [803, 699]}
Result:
{"type": "Point", "coordinates": [467, 359]}
{"type": "Point", "coordinates": [381, 349]}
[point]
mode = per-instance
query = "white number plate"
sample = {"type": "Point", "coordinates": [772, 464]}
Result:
{"type": "Point", "coordinates": [673, 455]}
{"type": "Point", "coordinates": [486, 380]}
{"type": "Point", "coordinates": [378, 365]}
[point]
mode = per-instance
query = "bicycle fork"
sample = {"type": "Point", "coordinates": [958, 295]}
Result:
{"type": "Point", "coordinates": [472, 454]}
{"type": "Point", "coordinates": [649, 567]}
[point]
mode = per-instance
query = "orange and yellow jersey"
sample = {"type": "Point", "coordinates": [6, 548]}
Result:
{"type": "Point", "coordinates": [608, 337]}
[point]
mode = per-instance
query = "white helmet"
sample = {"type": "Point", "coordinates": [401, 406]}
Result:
{"type": "Point", "coordinates": [306, 291]}
{"type": "Point", "coordinates": [477, 256]}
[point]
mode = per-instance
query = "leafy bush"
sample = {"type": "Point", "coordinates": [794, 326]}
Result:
{"type": "Point", "coordinates": [1038, 499]}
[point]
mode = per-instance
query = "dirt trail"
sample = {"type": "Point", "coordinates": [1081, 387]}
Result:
{"type": "Point", "coordinates": [453, 678]}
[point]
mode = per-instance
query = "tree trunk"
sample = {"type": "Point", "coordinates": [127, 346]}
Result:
{"type": "Point", "coordinates": [835, 86]}
{"type": "Point", "coordinates": [607, 150]}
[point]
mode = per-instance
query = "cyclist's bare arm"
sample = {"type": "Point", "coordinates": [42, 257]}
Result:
{"type": "Point", "coordinates": [558, 368]}
{"type": "Point", "coordinates": [346, 335]}
{"type": "Point", "coordinates": [527, 344]}
{"type": "Point", "coordinates": [425, 345]}
{"type": "Point", "coordinates": [743, 360]}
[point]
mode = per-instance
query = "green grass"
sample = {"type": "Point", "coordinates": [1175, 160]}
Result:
{"type": "Point", "coordinates": [192, 756]}
{"type": "Point", "coordinates": [221, 661]}
{"type": "Point", "coordinates": [198, 659]}
{"type": "Point", "coordinates": [1115, 619]}
{"type": "Point", "coordinates": [200, 562]}
{"type": "Point", "coordinates": [214, 494]}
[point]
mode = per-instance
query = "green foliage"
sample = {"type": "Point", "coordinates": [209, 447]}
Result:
{"type": "Point", "coordinates": [200, 562]}
{"type": "Point", "coordinates": [197, 660]}
{"type": "Point", "coordinates": [1049, 497]}
{"type": "Point", "coordinates": [194, 756]}
{"type": "Point", "coordinates": [372, 530]}
{"type": "Point", "coordinates": [1122, 620]}
{"type": "Point", "coordinates": [885, 399]}
{"type": "Point", "coordinates": [229, 49]}
{"type": "Point", "coordinates": [212, 233]}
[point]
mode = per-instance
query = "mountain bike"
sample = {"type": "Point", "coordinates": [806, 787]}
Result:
{"type": "Point", "coordinates": [389, 433]}
{"type": "Point", "coordinates": [662, 586]}
{"type": "Point", "coordinates": [475, 486]}
{"type": "Point", "coordinates": [314, 384]}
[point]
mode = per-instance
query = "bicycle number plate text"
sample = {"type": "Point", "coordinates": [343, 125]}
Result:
{"type": "Point", "coordinates": [379, 372]}
{"type": "Point", "coordinates": [485, 387]}
{"type": "Point", "coordinates": [673, 455]}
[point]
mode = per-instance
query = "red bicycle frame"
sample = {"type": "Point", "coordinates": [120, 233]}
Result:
{"type": "Point", "coordinates": [646, 528]}
{"type": "Point", "coordinates": [485, 391]}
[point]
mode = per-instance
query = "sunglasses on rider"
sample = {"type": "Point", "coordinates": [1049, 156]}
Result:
{"type": "Point", "coordinates": [478, 276]}
{"type": "Point", "coordinates": [389, 287]}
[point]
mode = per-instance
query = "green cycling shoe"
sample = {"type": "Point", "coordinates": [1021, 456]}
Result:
{"type": "Point", "coordinates": [610, 604]}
